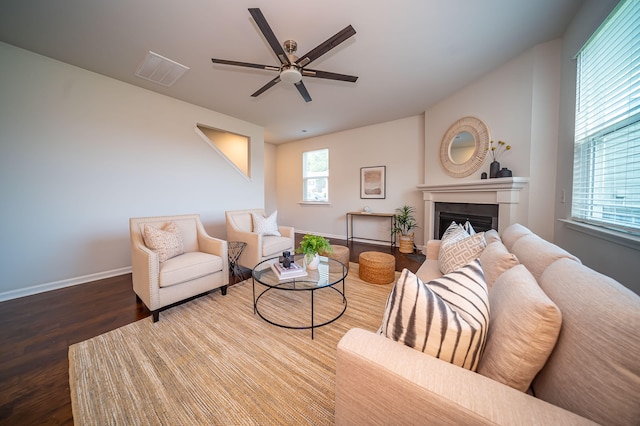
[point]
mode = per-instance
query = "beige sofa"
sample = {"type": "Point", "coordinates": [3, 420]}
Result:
{"type": "Point", "coordinates": [592, 374]}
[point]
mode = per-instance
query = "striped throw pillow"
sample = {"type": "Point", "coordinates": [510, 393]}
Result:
{"type": "Point", "coordinates": [447, 318]}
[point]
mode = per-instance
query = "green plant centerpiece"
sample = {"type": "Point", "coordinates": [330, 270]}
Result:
{"type": "Point", "coordinates": [311, 245]}
{"type": "Point", "coordinates": [404, 225]}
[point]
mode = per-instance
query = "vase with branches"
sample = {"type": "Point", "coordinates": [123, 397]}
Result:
{"type": "Point", "coordinates": [496, 150]}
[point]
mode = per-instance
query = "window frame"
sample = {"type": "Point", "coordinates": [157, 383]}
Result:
{"type": "Point", "coordinates": [307, 176]}
{"type": "Point", "coordinates": [592, 144]}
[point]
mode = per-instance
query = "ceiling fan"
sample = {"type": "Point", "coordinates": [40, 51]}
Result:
{"type": "Point", "coordinates": [292, 68]}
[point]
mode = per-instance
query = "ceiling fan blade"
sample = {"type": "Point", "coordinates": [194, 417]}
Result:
{"type": "Point", "coordinates": [269, 35]}
{"type": "Point", "coordinates": [323, 48]}
{"type": "Point", "coordinates": [266, 87]}
{"type": "Point", "coordinates": [329, 75]}
{"type": "Point", "coordinates": [303, 91]}
{"type": "Point", "coordinates": [245, 64]}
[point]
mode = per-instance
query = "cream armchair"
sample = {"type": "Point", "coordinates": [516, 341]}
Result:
{"type": "Point", "coordinates": [197, 263]}
{"type": "Point", "coordinates": [240, 227]}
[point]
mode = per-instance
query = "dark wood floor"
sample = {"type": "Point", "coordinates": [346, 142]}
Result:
{"type": "Point", "coordinates": [36, 331]}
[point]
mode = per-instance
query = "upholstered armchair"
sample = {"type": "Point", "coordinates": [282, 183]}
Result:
{"type": "Point", "coordinates": [174, 259]}
{"type": "Point", "coordinates": [264, 239]}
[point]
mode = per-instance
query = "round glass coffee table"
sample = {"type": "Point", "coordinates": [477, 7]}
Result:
{"type": "Point", "coordinates": [276, 303]}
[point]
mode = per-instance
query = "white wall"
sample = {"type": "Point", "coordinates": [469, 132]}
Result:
{"type": "Point", "coordinates": [595, 250]}
{"type": "Point", "coordinates": [518, 101]}
{"type": "Point", "coordinates": [398, 145]}
{"type": "Point", "coordinates": [270, 182]}
{"type": "Point", "coordinates": [81, 153]}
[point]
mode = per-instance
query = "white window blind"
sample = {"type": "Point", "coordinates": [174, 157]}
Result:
{"type": "Point", "coordinates": [315, 176]}
{"type": "Point", "coordinates": [606, 175]}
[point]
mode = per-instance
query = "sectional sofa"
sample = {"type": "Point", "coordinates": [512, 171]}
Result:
{"type": "Point", "coordinates": [562, 347]}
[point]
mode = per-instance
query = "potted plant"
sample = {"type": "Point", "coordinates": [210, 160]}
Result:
{"type": "Point", "coordinates": [404, 224]}
{"type": "Point", "coordinates": [310, 246]}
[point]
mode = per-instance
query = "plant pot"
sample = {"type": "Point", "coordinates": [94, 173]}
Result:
{"type": "Point", "coordinates": [312, 262]}
{"type": "Point", "coordinates": [406, 243]}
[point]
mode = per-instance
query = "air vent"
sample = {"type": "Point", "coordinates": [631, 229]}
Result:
{"type": "Point", "coordinates": [160, 70]}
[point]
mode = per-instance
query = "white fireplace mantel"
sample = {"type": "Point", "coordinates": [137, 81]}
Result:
{"type": "Point", "coordinates": [505, 192]}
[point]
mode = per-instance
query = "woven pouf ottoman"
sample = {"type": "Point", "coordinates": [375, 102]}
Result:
{"type": "Point", "coordinates": [376, 267]}
{"type": "Point", "coordinates": [341, 254]}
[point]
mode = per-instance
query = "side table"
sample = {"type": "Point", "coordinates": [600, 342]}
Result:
{"type": "Point", "coordinates": [235, 249]}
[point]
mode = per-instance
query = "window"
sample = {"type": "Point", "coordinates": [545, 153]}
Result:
{"type": "Point", "coordinates": [606, 175]}
{"type": "Point", "coordinates": [315, 176]}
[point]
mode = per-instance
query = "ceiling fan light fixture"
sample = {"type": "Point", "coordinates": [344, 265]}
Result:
{"type": "Point", "coordinates": [290, 75]}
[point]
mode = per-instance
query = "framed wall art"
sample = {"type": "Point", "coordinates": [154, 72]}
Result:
{"type": "Point", "coordinates": [373, 182]}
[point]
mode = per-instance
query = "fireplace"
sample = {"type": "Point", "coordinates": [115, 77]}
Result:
{"type": "Point", "coordinates": [503, 194]}
{"type": "Point", "coordinates": [482, 217]}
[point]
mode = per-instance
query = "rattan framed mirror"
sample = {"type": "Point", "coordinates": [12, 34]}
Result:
{"type": "Point", "coordinates": [464, 147]}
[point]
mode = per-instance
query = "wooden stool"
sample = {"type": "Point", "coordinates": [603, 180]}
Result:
{"type": "Point", "coordinates": [377, 268]}
{"type": "Point", "coordinates": [341, 254]}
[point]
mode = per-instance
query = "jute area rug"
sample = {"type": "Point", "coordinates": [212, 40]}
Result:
{"type": "Point", "coordinates": [212, 361]}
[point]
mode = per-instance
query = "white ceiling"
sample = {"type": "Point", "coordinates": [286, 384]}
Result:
{"type": "Point", "coordinates": [408, 54]}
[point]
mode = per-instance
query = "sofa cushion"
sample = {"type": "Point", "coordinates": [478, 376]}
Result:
{"type": "Point", "coordinates": [446, 318]}
{"type": "Point", "coordinates": [594, 370]}
{"type": "Point", "coordinates": [266, 225]}
{"type": "Point", "coordinates": [455, 253]}
{"type": "Point", "coordinates": [537, 254]}
{"type": "Point", "coordinates": [187, 267]}
{"type": "Point", "coordinates": [274, 246]}
{"type": "Point", "coordinates": [513, 233]}
{"type": "Point", "coordinates": [165, 242]}
{"type": "Point", "coordinates": [496, 259]}
{"type": "Point", "coordinates": [523, 330]}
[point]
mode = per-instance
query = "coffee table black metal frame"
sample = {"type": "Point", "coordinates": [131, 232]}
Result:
{"type": "Point", "coordinates": [329, 274]}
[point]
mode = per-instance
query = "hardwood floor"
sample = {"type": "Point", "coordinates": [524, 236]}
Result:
{"type": "Point", "coordinates": [36, 332]}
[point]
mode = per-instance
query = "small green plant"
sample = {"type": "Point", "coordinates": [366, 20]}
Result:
{"type": "Point", "coordinates": [405, 221]}
{"type": "Point", "coordinates": [313, 244]}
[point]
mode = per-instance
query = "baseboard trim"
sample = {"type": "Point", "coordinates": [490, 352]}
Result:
{"type": "Point", "coordinates": [42, 288]}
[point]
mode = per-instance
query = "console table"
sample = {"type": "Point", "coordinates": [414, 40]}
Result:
{"type": "Point", "coordinates": [390, 216]}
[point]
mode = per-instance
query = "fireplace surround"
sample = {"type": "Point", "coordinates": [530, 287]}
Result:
{"type": "Point", "coordinates": [502, 192]}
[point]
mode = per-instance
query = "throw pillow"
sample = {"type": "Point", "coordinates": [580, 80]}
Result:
{"type": "Point", "coordinates": [496, 259]}
{"type": "Point", "coordinates": [266, 225]}
{"type": "Point", "coordinates": [491, 236]}
{"type": "Point", "coordinates": [469, 228]}
{"type": "Point", "coordinates": [456, 253]}
{"type": "Point", "coordinates": [524, 328]}
{"type": "Point", "coordinates": [446, 318]}
{"type": "Point", "coordinates": [454, 232]}
{"type": "Point", "coordinates": [166, 242]}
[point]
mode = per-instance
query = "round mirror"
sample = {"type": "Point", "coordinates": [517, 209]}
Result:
{"type": "Point", "coordinates": [464, 147]}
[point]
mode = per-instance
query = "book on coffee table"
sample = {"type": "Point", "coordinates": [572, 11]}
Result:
{"type": "Point", "coordinates": [293, 271]}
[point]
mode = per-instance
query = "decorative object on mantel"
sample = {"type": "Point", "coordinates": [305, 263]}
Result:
{"type": "Point", "coordinates": [367, 209]}
{"type": "Point", "coordinates": [483, 175]}
{"type": "Point", "coordinates": [504, 172]}
{"type": "Point", "coordinates": [496, 150]}
{"type": "Point", "coordinates": [464, 147]}
{"type": "Point", "coordinates": [405, 223]}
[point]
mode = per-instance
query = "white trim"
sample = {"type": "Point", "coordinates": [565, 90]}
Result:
{"type": "Point", "coordinates": [616, 237]}
{"type": "Point", "coordinates": [41, 288]}
{"type": "Point", "coordinates": [314, 203]}
{"type": "Point", "coordinates": [505, 192]}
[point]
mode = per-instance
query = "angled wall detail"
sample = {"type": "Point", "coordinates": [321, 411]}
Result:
{"type": "Point", "coordinates": [233, 148]}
